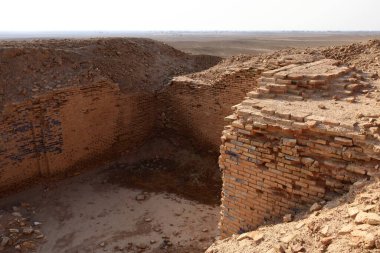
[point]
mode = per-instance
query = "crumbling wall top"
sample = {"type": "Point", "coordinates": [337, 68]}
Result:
{"type": "Point", "coordinates": [323, 95]}
{"type": "Point", "coordinates": [242, 64]}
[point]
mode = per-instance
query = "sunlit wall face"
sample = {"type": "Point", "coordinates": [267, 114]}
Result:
{"type": "Point", "coordinates": [128, 15]}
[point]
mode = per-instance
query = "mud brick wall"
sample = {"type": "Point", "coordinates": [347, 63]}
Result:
{"type": "Point", "coordinates": [198, 110]}
{"type": "Point", "coordinates": [283, 151]}
{"type": "Point", "coordinates": [69, 127]}
{"type": "Point", "coordinates": [277, 163]}
{"type": "Point", "coordinates": [269, 170]}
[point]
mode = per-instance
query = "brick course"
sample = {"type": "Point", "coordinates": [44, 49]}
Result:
{"type": "Point", "coordinates": [278, 160]}
{"type": "Point", "coordinates": [69, 127]}
{"type": "Point", "coordinates": [198, 110]}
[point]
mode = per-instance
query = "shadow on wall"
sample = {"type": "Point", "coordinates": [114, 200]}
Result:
{"type": "Point", "coordinates": [68, 128]}
{"type": "Point", "coordinates": [79, 127]}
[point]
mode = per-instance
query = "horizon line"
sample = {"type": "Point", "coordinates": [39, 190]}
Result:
{"type": "Point", "coordinates": [151, 31]}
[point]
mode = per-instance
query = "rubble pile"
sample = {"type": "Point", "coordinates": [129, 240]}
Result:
{"type": "Point", "coordinates": [18, 231]}
{"type": "Point", "coordinates": [349, 223]}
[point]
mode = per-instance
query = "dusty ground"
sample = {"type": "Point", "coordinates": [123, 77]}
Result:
{"type": "Point", "coordinates": [350, 223]}
{"type": "Point", "coordinates": [87, 213]}
{"type": "Point", "coordinates": [160, 198]}
{"type": "Point", "coordinates": [170, 164]}
{"type": "Point", "coordinates": [227, 44]}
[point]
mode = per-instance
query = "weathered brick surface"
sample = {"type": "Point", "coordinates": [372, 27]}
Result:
{"type": "Point", "coordinates": [197, 107]}
{"type": "Point", "coordinates": [64, 116]}
{"type": "Point", "coordinates": [69, 127]}
{"type": "Point", "coordinates": [198, 110]}
{"type": "Point", "coordinates": [277, 160]}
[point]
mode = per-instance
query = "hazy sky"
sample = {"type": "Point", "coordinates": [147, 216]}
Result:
{"type": "Point", "coordinates": [130, 15]}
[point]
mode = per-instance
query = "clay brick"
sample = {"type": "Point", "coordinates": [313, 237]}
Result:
{"type": "Point", "coordinates": [260, 125]}
{"type": "Point", "coordinates": [302, 184]}
{"type": "Point", "coordinates": [296, 153]}
{"type": "Point", "coordinates": [357, 169]}
{"type": "Point", "coordinates": [291, 176]}
{"type": "Point", "coordinates": [268, 111]}
{"type": "Point", "coordinates": [292, 158]}
{"type": "Point", "coordinates": [230, 145]}
{"type": "Point", "coordinates": [257, 143]}
{"type": "Point", "coordinates": [289, 142]}
{"type": "Point", "coordinates": [248, 127]}
{"type": "Point", "coordinates": [317, 189]}
{"type": "Point", "coordinates": [335, 164]}
{"type": "Point", "coordinates": [284, 115]}
{"type": "Point", "coordinates": [298, 116]}
{"type": "Point", "coordinates": [343, 141]}
{"type": "Point", "coordinates": [237, 124]}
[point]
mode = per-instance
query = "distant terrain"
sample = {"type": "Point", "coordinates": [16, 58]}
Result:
{"type": "Point", "coordinates": [228, 44]}
{"type": "Point", "coordinates": [223, 43]}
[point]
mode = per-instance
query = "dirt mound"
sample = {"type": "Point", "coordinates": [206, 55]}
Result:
{"type": "Point", "coordinates": [364, 56]}
{"type": "Point", "coordinates": [32, 67]}
{"type": "Point", "coordinates": [347, 224]}
{"type": "Point", "coordinates": [266, 61]}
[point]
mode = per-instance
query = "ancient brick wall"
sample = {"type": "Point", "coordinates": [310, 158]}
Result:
{"type": "Point", "coordinates": [197, 110]}
{"type": "Point", "coordinates": [70, 127]}
{"type": "Point", "coordinates": [75, 126]}
{"type": "Point", "coordinates": [284, 150]}
{"type": "Point", "coordinates": [269, 171]}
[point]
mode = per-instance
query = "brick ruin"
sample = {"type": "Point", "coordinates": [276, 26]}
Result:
{"type": "Point", "coordinates": [64, 109]}
{"type": "Point", "coordinates": [39, 137]}
{"type": "Point", "coordinates": [197, 104]}
{"type": "Point", "coordinates": [308, 131]}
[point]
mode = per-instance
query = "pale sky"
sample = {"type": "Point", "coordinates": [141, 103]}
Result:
{"type": "Point", "coordinates": [151, 15]}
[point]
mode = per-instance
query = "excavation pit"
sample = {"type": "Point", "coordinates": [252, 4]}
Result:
{"type": "Point", "coordinates": [164, 200]}
{"type": "Point", "coordinates": [122, 153]}
{"type": "Point", "coordinates": [89, 148]}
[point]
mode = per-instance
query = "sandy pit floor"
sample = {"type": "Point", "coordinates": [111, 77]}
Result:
{"type": "Point", "coordinates": [91, 213]}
